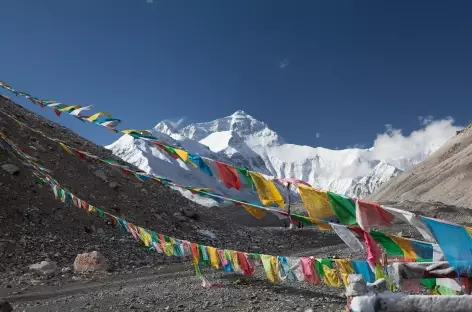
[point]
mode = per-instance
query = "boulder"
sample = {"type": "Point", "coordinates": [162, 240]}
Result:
{"type": "Point", "coordinates": [10, 168]}
{"type": "Point", "coordinates": [90, 262]}
{"type": "Point", "coordinates": [39, 147]}
{"type": "Point", "coordinates": [113, 184]}
{"type": "Point", "coordinates": [99, 173]}
{"type": "Point", "coordinates": [47, 268]}
{"type": "Point", "coordinates": [189, 213]}
{"type": "Point", "coordinates": [180, 217]}
{"type": "Point", "coordinates": [5, 306]}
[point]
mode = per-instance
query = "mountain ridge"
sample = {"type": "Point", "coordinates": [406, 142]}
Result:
{"type": "Point", "coordinates": [242, 140]}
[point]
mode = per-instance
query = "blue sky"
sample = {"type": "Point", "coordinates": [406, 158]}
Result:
{"type": "Point", "coordinates": [343, 69]}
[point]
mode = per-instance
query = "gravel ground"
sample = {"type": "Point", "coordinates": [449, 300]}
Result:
{"type": "Point", "coordinates": [175, 288]}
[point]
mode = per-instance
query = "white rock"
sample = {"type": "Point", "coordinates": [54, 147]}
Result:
{"type": "Point", "coordinates": [90, 262]}
{"type": "Point", "coordinates": [10, 168]}
{"type": "Point", "coordinates": [47, 268]}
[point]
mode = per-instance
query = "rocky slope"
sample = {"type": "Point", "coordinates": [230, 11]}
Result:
{"type": "Point", "coordinates": [445, 176]}
{"type": "Point", "coordinates": [36, 227]}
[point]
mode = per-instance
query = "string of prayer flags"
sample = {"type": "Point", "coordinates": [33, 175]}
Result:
{"type": "Point", "coordinates": [348, 211]}
{"type": "Point", "coordinates": [266, 190]}
{"type": "Point", "coordinates": [315, 202]}
{"type": "Point", "coordinates": [311, 270]}
{"type": "Point", "coordinates": [410, 248]}
{"type": "Point", "coordinates": [228, 175]}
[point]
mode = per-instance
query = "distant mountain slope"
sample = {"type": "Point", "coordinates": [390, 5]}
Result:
{"type": "Point", "coordinates": [445, 176]}
{"type": "Point", "coordinates": [245, 141]}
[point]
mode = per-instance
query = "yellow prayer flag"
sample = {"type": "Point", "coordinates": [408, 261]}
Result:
{"type": "Point", "coordinates": [325, 226]}
{"type": "Point", "coordinates": [168, 249]}
{"type": "Point", "coordinates": [404, 244]}
{"type": "Point", "coordinates": [67, 108]}
{"type": "Point", "coordinates": [345, 268]}
{"type": "Point", "coordinates": [145, 236]}
{"type": "Point", "coordinates": [266, 190]}
{"type": "Point", "coordinates": [66, 148]}
{"type": "Point", "coordinates": [214, 259]}
{"type": "Point", "coordinates": [331, 277]}
{"type": "Point", "coordinates": [182, 154]}
{"type": "Point", "coordinates": [316, 202]}
{"type": "Point", "coordinates": [270, 267]}
{"type": "Point", "coordinates": [469, 230]}
{"type": "Point", "coordinates": [95, 116]}
{"type": "Point", "coordinates": [379, 272]}
{"type": "Point", "coordinates": [255, 212]}
{"type": "Point", "coordinates": [128, 131]}
{"type": "Point", "coordinates": [234, 260]}
{"type": "Point", "coordinates": [91, 209]}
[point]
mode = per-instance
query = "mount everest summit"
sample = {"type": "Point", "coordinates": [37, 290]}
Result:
{"type": "Point", "coordinates": [242, 140]}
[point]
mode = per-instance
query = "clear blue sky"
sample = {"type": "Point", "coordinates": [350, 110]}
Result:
{"type": "Point", "coordinates": [340, 68]}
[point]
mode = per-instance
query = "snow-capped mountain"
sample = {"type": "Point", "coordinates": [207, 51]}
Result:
{"type": "Point", "coordinates": [242, 140]}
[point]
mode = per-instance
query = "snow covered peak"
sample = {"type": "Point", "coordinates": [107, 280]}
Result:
{"type": "Point", "coordinates": [239, 125]}
{"type": "Point", "coordinates": [241, 113]}
{"type": "Point", "coordinates": [242, 140]}
{"type": "Point", "coordinates": [165, 127]}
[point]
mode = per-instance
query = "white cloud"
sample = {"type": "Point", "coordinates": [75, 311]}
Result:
{"type": "Point", "coordinates": [393, 145]}
{"type": "Point", "coordinates": [150, 1]}
{"type": "Point", "coordinates": [283, 64]}
{"type": "Point", "coordinates": [317, 135]}
{"type": "Point", "coordinates": [424, 120]}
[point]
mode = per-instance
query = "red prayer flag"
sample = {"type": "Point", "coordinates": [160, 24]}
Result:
{"type": "Point", "coordinates": [229, 175]}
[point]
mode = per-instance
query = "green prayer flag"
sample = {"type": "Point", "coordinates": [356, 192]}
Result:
{"type": "Point", "coordinates": [100, 212]}
{"type": "Point", "coordinates": [245, 173]}
{"type": "Point", "coordinates": [155, 237]}
{"type": "Point", "coordinates": [429, 283]}
{"type": "Point", "coordinates": [387, 243]}
{"type": "Point", "coordinates": [344, 208]}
